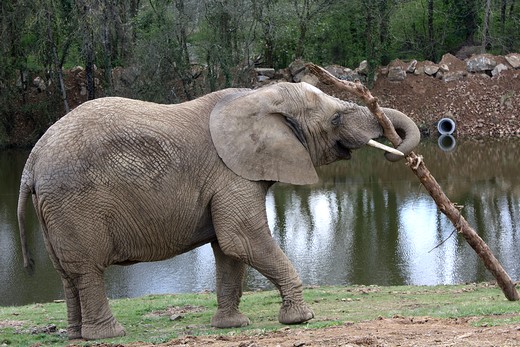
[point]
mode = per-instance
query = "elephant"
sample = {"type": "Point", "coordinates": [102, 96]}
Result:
{"type": "Point", "coordinates": [121, 181]}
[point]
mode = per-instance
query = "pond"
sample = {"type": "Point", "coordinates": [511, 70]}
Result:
{"type": "Point", "coordinates": [367, 221]}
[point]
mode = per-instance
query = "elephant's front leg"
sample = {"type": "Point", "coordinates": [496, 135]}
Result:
{"type": "Point", "coordinates": [240, 222]}
{"type": "Point", "coordinates": [230, 276]}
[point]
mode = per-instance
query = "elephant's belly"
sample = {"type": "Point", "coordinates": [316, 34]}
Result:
{"type": "Point", "coordinates": [159, 241]}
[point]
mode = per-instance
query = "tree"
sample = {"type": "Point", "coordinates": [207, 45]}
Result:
{"type": "Point", "coordinates": [431, 52]}
{"type": "Point", "coordinates": [264, 13]}
{"type": "Point", "coordinates": [57, 18]}
{"type": "Point", "coordinates": [485, 33]}
{"type": "Point", "coordinates": [86, 10]}
{"type": "Point", "coordinates": [306, 12]}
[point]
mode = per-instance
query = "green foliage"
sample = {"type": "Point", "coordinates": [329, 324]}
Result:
{"type": "Point", "coordinates": [180, 49]}
{"type": "Point", "coordinates": [339, 37]}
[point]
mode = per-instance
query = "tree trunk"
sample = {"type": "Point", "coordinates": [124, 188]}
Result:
{"type": "Point", "coordinates": [56, 61]}
{"type": "Point", "coordinates": [431, 34]}
{"type": "Point", "coordinates": [371, 42]}
{"type": "Point", "coordinates": [485, 32]}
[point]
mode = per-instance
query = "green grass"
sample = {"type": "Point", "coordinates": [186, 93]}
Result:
{"type": "Point", "coordinates": [146, 319]}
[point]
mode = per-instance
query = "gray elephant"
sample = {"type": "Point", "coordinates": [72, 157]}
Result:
{"type": "Point", "coordinates": [119, 181]}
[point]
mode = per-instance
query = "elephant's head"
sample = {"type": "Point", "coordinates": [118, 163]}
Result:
{"type": "Point", "coordinates": [281, 132]}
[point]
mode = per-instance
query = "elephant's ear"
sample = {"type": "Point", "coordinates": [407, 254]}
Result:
{"type": "Point", "coordinates": [257, 138]}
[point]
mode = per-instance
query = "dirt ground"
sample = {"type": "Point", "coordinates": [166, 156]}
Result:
{"type": "Point", "coordinates": [398, 331]}
{"type": "Point", "coordinates": [481, 105]}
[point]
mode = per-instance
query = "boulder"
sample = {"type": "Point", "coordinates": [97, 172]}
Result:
{"type": "Point", "coordinates": [344, 73]}
{"type": "Point", "coordinates": [453, 76]}
{"type": "Point", "coordinates": [431, 70]}
{"type": "Point", "coordinates": [76, 69]}
{"type": "Point", "coordinates": [412, 66]}
{"type": "Point", "coordinates": [362, 68]}
{"type": "Point", "coordinates": [267, 72]}
{"type": "Point", "coordinates": [262, 78]}
{"type": "Point", "coordinates": [513, 59]}
{"type": "Point", "coordinates": [297, 69]}
{"type": "Point", "coordinates": [498, 69]}
{"type": "Point", "coordinates": [311, 79]}
{"type": "Point", "coordinates": [396, 73]}
{"type": "Point", "coordinates": [480, 63]}
{"type": "Point", "coordinates": [453, 63]}
{"type": "Point", "coordinates": [39, 83]}
{"type": "Point", "coordinates": [419, 70]}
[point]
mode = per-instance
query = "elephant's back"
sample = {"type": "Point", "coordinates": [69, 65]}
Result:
{"type": "Point", "coordinates": [126, 137]}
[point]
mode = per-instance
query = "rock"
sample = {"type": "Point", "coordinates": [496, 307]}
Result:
{"type": "Point", "coordinates": [337, 71]}
{"type": "Point", "coordinates": [83, 89]}
{"type": "Point", "coordinates": [431, 70]}
{"type": "Point", "coordinates": [412, 66]}
{"type": "Point", "coordinates": [419, 70]}
{"type": "Point", "coordinates": [262, 78]}
{"type": "Point", "coordinates": [453, 63]}
{"type": "Point", "coordinates": [453, 76]}
{"type": "Point", "coordinates": [267, 72]}
{"type": "Point", "coordinates": [39, 83]}
{"type": "Point", "coordinates": [344, 73]}
{"type": "Point", "coordinates": [444, 67]}
{"type": "Point", "coordinates": [396, 73]}
{"type": "Point", "coordinates": [363, 68]}
{"type": "Point", "coordinates": [76, 69]}
{"type": "Point", "coordinates": [175, 317]}
{"type": "Point", "coordinates": [498, 69]}
{"type": "Point", "coordinates": [513, 59]}
{"type": "Point", "coordinates": [311, 79]}
{"type": "Point", "coordinates": [297, 69]}
{"type": "Point", "coordinates": [480, 63]}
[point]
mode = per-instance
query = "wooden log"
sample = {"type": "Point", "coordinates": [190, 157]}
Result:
{"type": "Point", "coordinates": [417, 165]}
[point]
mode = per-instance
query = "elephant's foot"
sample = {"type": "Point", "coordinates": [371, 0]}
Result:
{"type": "Point", "coordinates": [229, 319]}
{"type": "Point", "coordinates": [74, 332]}
{"type": "Point", "coordinates": [294, 312]}
{"type": "Point", "coordinates": [102, 331]}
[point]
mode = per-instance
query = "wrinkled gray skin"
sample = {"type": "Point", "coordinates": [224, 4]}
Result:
{"type": "Point", "coordinates": [120, 181]}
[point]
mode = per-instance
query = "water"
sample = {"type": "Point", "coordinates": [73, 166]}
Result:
{"type": "Point", "coordinates": [368, 221]}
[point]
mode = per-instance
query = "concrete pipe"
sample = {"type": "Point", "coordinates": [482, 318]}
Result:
{"type": "Point", "coordinates": [446, 126]}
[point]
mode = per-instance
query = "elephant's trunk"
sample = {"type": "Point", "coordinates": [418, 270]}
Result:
{"type": "Point", "coordinates": [406, 129]}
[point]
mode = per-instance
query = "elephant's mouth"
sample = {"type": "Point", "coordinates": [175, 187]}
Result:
{"type": "Point", "coordinates": [343, 151]}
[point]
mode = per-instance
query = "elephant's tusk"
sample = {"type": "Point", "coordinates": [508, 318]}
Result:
{"type": "Point", "coordinates": [384, 147]}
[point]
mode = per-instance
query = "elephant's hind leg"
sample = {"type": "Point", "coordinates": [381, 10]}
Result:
{"type": "Point", "coordinates": [230, 276]}
{"type": "Point", "coordinates": [243, 233]}
{"type": "Point", "coordinates": [97, 319]}
{"type": "Point", "coordinates": [73, 308]}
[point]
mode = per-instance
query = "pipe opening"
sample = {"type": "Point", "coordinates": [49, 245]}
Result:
{"type": "Point", "coordinates": [446, 126]}
{"type": "Point", "coordinates": [447, 143]}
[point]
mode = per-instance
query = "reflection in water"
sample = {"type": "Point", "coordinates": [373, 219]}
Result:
{"type": "Point", "coordinates": [367, 222]}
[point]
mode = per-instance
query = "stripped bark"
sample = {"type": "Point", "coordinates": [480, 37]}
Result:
{"type": "Point", "coordinates": [417, 165]}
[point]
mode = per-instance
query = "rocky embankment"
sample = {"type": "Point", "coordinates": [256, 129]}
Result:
{"type": "Point", "coordinates": [481, 93]}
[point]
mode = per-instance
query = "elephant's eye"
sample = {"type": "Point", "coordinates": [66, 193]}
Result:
{"type": "Point", "coordinates": [336, 119]}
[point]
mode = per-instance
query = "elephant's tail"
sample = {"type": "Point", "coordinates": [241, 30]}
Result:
{"type": "Point", "coordinates": [26, 189]}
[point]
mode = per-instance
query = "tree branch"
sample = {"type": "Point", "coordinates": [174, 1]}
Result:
{"type": "Point", "coordinates": [417, 165]}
